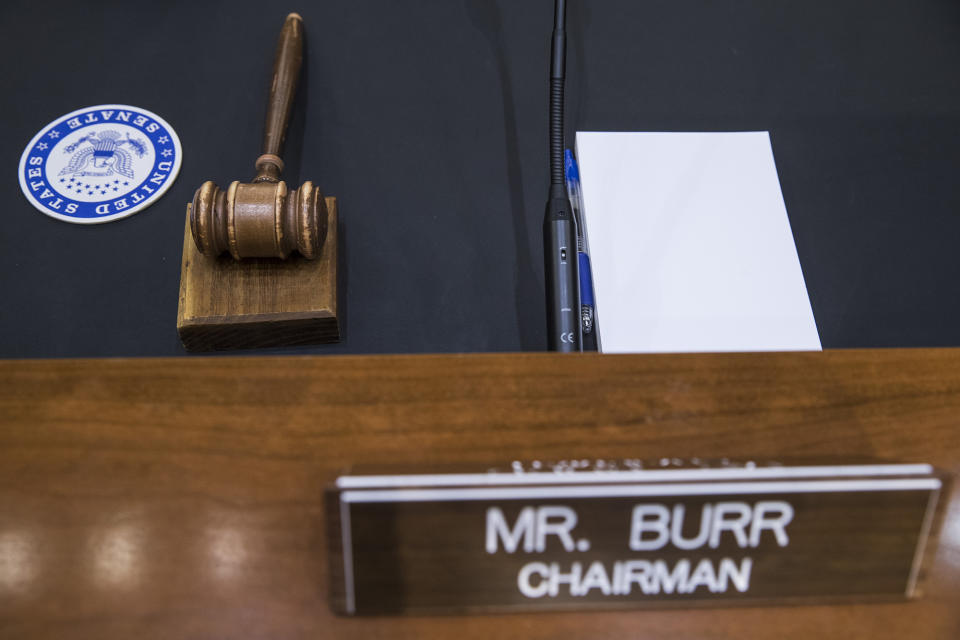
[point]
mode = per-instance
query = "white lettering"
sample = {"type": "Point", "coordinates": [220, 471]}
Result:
{"type": "Point", "coordinates": [703, 576]}
{"type": "Point", "coordinates": [523, 580]}
{"type": "Point", "coordinates": [668, 581]}
{"type": "Point", "coordinates": [729, 571]}
{"type": "Point", "coordinates": [557, 578]}
{"type": "Point", "coordinates": [737, 526]}
{"type": "Point", "coordinates": [617, 581]}
{"type": "Point", "coordinates": [534, 526]}
{"type": "Point", "coordinates": [636, 571]}
{"type": "Point", "coordinates": [653, 526]}
{"type": "Point", "coordinates": [560, 529]}
{"type": "Point", "coordinates": [676, 528]}
{"type": "Point", "coordinates": [537, 579]}
{"type": "Point", "coordinates": [596, 578]}
{"type": "Point", "coordinates": [763, 518]}
{"type": "Point", "coordinates": [497, 528]}
{"type": "Point", "coordinates": [640, 524]}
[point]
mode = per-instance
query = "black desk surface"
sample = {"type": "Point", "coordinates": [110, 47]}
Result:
{"type": "Point", "coordinates": [428, 121]}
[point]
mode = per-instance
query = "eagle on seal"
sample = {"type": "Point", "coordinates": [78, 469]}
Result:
{"type": "Point", "coordinates": [104, 149]}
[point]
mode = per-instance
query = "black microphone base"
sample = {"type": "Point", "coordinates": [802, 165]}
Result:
{"type": "Point", "coordinates": [561, 270]}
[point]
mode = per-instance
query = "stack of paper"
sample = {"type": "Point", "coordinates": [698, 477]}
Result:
{"type": "Point", "coordinates": [691, 245]}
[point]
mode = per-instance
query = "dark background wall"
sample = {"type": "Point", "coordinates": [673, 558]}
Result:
{"type": "Point", "coordinates": [428, 120]}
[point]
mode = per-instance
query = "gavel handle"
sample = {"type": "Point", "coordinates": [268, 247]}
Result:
{"type": "Point", "coordinates": [286, 73]}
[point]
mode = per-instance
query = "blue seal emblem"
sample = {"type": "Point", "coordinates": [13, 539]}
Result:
{"type": "Point", "coordinates": [100, 163]}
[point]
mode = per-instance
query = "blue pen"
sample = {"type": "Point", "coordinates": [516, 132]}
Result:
{"type": "Point", "coordinates": [588, 320]}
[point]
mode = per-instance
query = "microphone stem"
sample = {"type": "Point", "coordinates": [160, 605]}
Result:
{"type": "Point", "coordinates": [557, 75]}
{"type": "Point", "coordinates": [559, 226]}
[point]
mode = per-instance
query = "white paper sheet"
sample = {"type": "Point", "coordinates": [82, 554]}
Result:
{"type": "Point", "coordinates": [691, 245]}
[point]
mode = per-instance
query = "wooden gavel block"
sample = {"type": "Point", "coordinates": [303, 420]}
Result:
{"type": "Point", "coordinates": [260, 259]}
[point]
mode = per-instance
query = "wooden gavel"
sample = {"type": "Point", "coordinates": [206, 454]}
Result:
{"type": "Point", "coordinates": [264, 219]}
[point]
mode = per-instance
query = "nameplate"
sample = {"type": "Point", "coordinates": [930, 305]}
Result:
{"type": "Point", "coordinates": [580, 534]}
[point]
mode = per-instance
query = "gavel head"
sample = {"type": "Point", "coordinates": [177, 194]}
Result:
{"type": "Point", "coordinates": [259, 220]}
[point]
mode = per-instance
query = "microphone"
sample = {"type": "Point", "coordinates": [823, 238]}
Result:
{"type": "Point", "coordinates": [559, 226]}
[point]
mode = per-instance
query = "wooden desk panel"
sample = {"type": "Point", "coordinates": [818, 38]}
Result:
{"type": "Point", "coordinates": [182, 498]}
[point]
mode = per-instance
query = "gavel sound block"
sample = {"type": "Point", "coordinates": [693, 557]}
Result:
{"type": "Point", "coordinates": [231, 304]}
{"type": "Point", "coordinates": [260, 259]}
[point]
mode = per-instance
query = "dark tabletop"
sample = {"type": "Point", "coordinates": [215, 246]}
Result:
{"type": "Point", "coordinates": [427, 119]}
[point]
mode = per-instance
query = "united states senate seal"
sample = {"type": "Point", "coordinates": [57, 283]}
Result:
{"type": "Point", "coordinates": [100, 163]}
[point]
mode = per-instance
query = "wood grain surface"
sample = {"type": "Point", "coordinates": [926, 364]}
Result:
{"type": "Point", "coordinates": [183, 498]}
{"type": "Point", "coordinates": [230, 304]}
